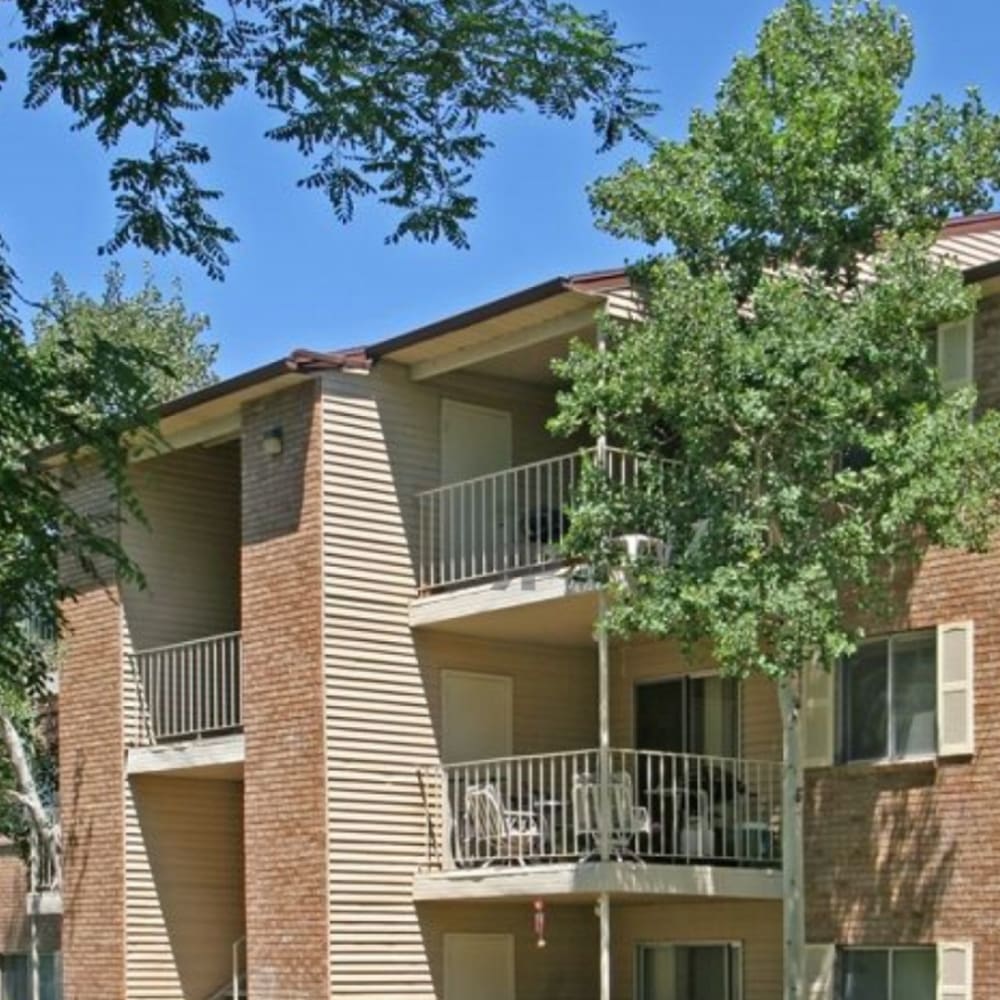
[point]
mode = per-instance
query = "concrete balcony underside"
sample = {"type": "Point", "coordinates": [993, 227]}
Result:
{"type": "Point", "coordinates": [585, 880]}
{"type": "Point", "coordinates": [218, 757]}
{"type": "Point", "coordinates": [551, 606]}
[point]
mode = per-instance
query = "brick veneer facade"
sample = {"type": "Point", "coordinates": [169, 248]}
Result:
{"type": "Point", "coordinates": [15, 932]}
{"type": "Point", "coordinates": [285, 769]}
{"type": "Point", "coordinates": [908, 853]}
{"type": "Point", "coordinates": [895, 854]}
{"type": "Point", "coordinates": [92, 799]}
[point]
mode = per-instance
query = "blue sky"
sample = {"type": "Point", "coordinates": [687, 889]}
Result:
{"type": "Point", "coordinates": [298, 278]}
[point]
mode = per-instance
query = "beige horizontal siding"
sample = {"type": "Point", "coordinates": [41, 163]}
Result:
{"type": "Point", "coordinates": [381, 447]}
{"type": "Point", "coordinates": [184, 872]}
{"type": "Point", "coordinates": [565, 969]}
{"type": "Point", "coordinates": [756, 926]}
{"type": "Point", "coordinates": [189, 551]}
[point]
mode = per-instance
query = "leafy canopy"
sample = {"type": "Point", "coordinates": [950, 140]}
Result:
{"type": "Point", "coordinates": [147, 321]}
{"type": "Point", "coordinates": [87, 395]}
{"type": "Point", "coordinates": [803, 453]}
{"type": "Point", "coordinates": [384, 98]}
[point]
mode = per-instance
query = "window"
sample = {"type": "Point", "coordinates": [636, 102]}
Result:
{"type": "Point", "coordinates": [688, 972]}
{"type": "Point", "coordinates": [688, 715]}
{"type": "Point", "coordinates": [954, 358]}
{"type": "Point", "coordinates": [15, 977]}
{"type": "Point", "coordinates": [889, 699]}
{"type": "Point", "coordinates": [887, 974]}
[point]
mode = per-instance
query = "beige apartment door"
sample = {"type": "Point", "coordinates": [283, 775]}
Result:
{"type": "Point", "coordinates": [478, 967]}
{"type": "Point", "coordinates": [477, 714]}
{"type": "Point", "coordinates": [472, 525]}
{"type": "Point", "coordinates": [475, 440]}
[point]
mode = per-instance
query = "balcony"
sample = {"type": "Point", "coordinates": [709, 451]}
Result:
{"type": "Point", "coordinates": [505, 523]}
{"type": "Point", "coordinates": [189, 691]}
{"type": "Point", "coordinates": [491, 545]}
{"type": "Point", "coordinates": [44, 895]}
{"type": "Point", "coordinates": [634, 821]}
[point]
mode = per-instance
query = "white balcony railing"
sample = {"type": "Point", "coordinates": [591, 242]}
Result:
{"type": "Point", "coordinates": [189, 689]}
{"type": "Point", "coordinates": [660, 807]}
{"type": "Point", "coordinates": [505, 522]}
{"type": "Point", "coordinates": [44, 868]}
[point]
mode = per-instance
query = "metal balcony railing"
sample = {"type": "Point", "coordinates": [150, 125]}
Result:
{"type": "Point", "coordinates": [44, 868]}
{"type": "Point", "coordinates": [659, 807]}
{"type": "Point", "coordinates": [505, 522]}
{"type": "Point", "coordinates": [189, 689]}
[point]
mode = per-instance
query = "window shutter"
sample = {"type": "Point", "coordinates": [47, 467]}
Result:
{"type": "Point", "coordinates": [954, 971]}
{"type": "Point", "coordinates": [817, 717]}
{"type": "Point", "coordinates": [955, 692]}
{"type": "Point", "coordinates": [820, 961]}
{"type": "Point", "coordinates": [954, 354]}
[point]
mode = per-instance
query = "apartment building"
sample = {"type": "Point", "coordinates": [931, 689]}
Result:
{"type": "Point", "coordinates": [356, 738]}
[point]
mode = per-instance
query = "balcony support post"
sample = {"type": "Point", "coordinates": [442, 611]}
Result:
{"type": "Point", "coordinates": [604, 733]}
{"type": "Point", "coordinates": [604, 913]}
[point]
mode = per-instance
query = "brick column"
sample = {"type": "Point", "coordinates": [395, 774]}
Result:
{"type": "Point", "coordinates": [285, 804]}
{"type": "Point", "coordinates": [92, 799]}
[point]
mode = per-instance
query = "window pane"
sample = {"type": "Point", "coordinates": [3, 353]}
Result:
{"type": "Point", "coordinates": [16, 985]}
{"type": "Point", "coordinates": [659, 716]}
{"type": "Point", "coordinates": [914, 694]}
{"type": "Point", "coordinates": [865, 975]}
{"type": "Point", "coordinates": [51, 977]}
{"type": "Point", "coordinates": [866, 690]}
{"type": "Point", "coordinates": [712, 716]}
{"type": "Point", "coordinates": [686, 972]}
{"type": "Point", "coordinates": [914, 974]}
{"type": "Point", "coordinates": [658, 974]}
{"type": "Point", "coordinates": [708, 973]}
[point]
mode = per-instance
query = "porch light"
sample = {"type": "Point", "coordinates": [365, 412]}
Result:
{"type": "Point", "coordinates": [272, 442]}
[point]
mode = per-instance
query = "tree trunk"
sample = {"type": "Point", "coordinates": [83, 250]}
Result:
{"type": "Point", "coordinates": [792, 860]}
{"type": "Point", "coordinates": [46, 831]}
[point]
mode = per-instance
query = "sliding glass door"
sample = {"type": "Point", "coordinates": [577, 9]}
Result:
{"type": "Point", "coordinates": [688, 972]}
{"type": "Point", "coordinates": [688, 715]}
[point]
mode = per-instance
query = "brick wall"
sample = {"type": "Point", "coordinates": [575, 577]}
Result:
{"type": "Point", "coordinates": [92, 780]}
{"type": "Point", "coordinates": [908, 852]}
{"type": "Point", "coordinates": [15, 934]}
{"type": "Point", "coordinates": [285, 768]}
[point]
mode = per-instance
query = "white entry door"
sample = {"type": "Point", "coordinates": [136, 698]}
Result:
{"type": "Point", "coordinates": [477, 713]}
{"type": "Point", "coordinates": [478, 967]}
{"type": "Point", "coordinates": [472, 525]}
{"type": "Point", "coordinates": [475, 440]}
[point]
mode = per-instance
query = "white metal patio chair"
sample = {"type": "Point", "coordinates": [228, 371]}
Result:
{"type": "Point", "coordinates": [495, 832]}
{"type": "Point", "coordinates": [627, 819]}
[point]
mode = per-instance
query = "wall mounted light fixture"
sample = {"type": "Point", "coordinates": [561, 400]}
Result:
{"type": "Point", "coordinates": [272, 442]}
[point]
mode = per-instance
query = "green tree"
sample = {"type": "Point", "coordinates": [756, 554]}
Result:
{"type": "Point", "coordinates": [159, 327]}
{"type": "Point", "coordinates": [802, 450]}
{"type": "Point", "coordinates": [384, 98]}
{"type": "Point", "coordinates": [93, 399]}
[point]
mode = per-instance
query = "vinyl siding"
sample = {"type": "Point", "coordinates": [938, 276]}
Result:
{"type": "Point", "coordinates": [755, 925]}
{"type": "Point", "coordinates": [184, 866]}
{"type": "Point", "coordinates": [189, 552]}
{"type": "Point", "coordinates": [381, 446]}
{"type": "Point", "coordinates": [565, 969]}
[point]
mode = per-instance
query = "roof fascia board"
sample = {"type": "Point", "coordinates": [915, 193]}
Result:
{"type": "Point", "coordinates": [502, 344]}
{"type": "Point", "coordinates": [525, 297]}
{"type": "Point", "coordinates": [214, 431]}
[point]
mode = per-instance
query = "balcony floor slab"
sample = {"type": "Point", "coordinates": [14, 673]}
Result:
{"type": "Point", "coordinates": [586, 880]}
{"type": "Point", "coordinates": [218, 757]}
{"type": "Point", "coordinates": [515, 607]}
